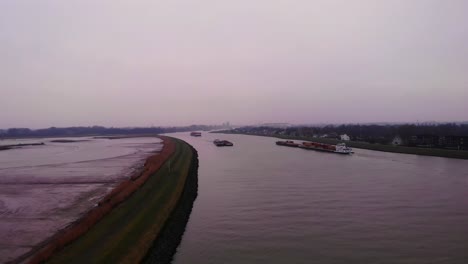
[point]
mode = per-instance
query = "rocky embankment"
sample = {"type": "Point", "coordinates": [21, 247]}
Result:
{"type": "Point", "coordinates": [165, 246]}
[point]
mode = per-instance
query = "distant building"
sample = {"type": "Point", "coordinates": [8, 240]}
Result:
{"type": "Point", "coordinates": [432, 141]}
{"type": "Point", "coordinates": [330, 135]}
{"type": "Point", "coordinates": [344, 137]}
{"type": "Point", "coordinates": [428, 141]}
{"type": "Point", "coordinates": [397, 141]}
{"type": "Point", "coordinates": [276, 125]}
{"type": "Point", "coordinates": [454, 142]}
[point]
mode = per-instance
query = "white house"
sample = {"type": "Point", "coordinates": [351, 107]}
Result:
{"type": "Point", "coordinates": [397, 141]}
{"type": "Point", "coordinates": [344, 137]}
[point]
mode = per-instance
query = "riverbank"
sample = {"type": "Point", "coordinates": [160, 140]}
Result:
{"type": "Point", "coordinates": [126, 222]}
{"type": "Point", "coordinates": [445, 153]}
{"type": "Point", "coordinates": [165, 246]}
{"type": "Point", "coordinates": [7, 147]}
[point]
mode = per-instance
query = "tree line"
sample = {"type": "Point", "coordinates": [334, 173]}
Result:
{"type": "Point", "coordinates": [97, 130]}
{"type": "Point", "coordinates": [369, 133]}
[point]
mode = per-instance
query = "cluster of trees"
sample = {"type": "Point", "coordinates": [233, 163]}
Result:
{"type": "Point", "coordinates": [97, 130]}
{"type": "Point", "coordinates": [383, 134]}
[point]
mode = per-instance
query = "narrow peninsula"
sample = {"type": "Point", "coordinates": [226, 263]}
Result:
{"type": "Point", "coordinates": [142, 219]}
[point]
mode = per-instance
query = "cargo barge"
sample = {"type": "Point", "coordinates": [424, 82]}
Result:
{"type": "Point", "coordinates": [287, 143]}
{"type": "Point", "coordinates": [340, 148]}
{"type": "Point", "coordinates": [195, 134]}
{"type": "Point", "coordinates": [222, 143]}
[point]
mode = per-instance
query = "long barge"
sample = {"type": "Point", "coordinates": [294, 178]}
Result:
{"type": "Point", "coordinates": [340, 148]}
{"type": "Point", "coordinates": [287, 143]}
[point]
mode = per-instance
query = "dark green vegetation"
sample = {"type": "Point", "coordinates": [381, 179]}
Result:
{"type": "Point", "coordinates": [436, 135]}
{"type": "Point", "coordinates": [97, 130]}
{"type": "Point", "coordinates": [127, 233]}
{"type": "Point", "coordinates": [363, 145]}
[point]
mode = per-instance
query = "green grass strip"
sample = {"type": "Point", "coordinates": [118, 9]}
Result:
{"type": "Point", "coordinates": [127, 232]}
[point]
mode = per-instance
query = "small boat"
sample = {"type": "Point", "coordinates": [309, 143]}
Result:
{"type": "Point", "coordinates": [340, 148]}
{"type": "Point", "coordinates": [195, 134]}
{"type": "Point", "coordinates": [222, 143]}
{"type": "Point", "coordinates": [287, 143]}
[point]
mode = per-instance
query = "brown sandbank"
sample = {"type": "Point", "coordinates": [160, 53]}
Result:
{"type": "Point", "coordinates": [67, 140]}
{"type": "Point", "coordinates": [7, 147]}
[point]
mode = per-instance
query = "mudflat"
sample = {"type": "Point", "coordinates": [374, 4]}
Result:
{"type": "Point", "coordinates": [45, 188]}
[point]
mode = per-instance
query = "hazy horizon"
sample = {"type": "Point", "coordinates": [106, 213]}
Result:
{"type": "Point", "coordinates": [144, 63]}
{"type": "Point", "coordinates": [254, 124]}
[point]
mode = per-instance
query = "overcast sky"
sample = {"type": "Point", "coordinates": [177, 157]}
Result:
{"type": "Point", "coordinates": [139, 63]}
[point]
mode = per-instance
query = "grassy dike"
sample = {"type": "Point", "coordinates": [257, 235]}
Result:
{"type": "Point", "coordinates": [445, 153]}
{"type": "Point", "coordinates": [128, 232]}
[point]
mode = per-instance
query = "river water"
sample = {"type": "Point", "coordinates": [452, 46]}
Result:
{"type": "Point", "coordinates": [262, 203]}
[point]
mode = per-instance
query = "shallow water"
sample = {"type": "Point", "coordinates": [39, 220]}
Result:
{"type": "Point", "coordinates": [262, 203]}
{"type": "Point", "coordinates": [44, 188]}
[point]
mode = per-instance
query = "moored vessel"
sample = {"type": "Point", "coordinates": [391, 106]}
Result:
{"type": "Point", "coordinates": [223, 143]}
{"type": "Point", "coordinates": [195, 134]}
{"type": "Point", "coordinates": [340, 148]}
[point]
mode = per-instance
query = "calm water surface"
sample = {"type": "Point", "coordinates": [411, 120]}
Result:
{"type": "Point", "coordinates": [262, 203]}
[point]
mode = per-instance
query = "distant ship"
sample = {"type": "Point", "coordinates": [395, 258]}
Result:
{"type": "Point", "coordinates": [222, 143]}
{"type": "Point", "coordinates": [340, 148]}
{"type": "Point", "coordinates": [287, 143]}
{"type": "Point", "coordinates": [195, 134]}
